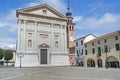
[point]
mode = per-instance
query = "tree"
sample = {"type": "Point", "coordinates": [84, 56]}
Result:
{"type": "Point", "coordinates": [1, 53]}
{"type": "Point", "coordinates": [8, 55]}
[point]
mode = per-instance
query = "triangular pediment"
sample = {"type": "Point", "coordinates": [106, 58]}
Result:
{"type": "Point", "coordinates": [44, 45]}
{"type": "Point", "coordinates": [44, 10]}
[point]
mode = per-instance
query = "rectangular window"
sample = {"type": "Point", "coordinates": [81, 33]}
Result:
{"type": "Point", "coordinates": [116, 37]}
{"type": "Point", "coordinates": [105, 48]}
{"type": "Point", "coordinates": [76, 44]}
{"type": "Point", "coordinates": [81, 42]}
{"type": "Point", "coordinates": [98, 42]}
{"type": "Point", "coordinates": [99, 51]}
{"type": "Point", "coordinates": [93, 50]}
{"type": "Point", "coordinates": [82, 52]}
{"type": "Point", "coordinates": [77, 53]}
{"type": "Point", "coordinates": [105, 40]}
{"type": "Point", "coordinates": [92, 44]}
{"type": "Point", "coordinates": [85, 52]}
{"type": "Point", "coordinates": [117, 47]}
{"type": "Point", "coordinates": [85, 45]}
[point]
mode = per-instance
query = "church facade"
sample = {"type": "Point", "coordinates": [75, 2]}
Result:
{"type": "Point", "coordinates": [42, 37]}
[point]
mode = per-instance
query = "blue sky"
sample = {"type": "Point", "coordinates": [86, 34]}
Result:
{"type": "Point", "coordinates": [97, 17]}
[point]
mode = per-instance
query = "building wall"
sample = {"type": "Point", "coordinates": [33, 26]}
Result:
{"type": "Point", "coordinates": [111, 53]}
{"type": "Point", "coordinates": [80, 49]}
{"type": "Point", "coordinates": [36, 32]}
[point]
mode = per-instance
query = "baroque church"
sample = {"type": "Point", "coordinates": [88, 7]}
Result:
{"type": "Point", "coordinates": [45, 36]}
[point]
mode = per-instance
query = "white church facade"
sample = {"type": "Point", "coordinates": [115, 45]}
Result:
{"type": "Point", "coordinates": [42, 37]}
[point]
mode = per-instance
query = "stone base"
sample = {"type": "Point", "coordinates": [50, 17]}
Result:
{"type": "Point", "coordinates": [33, 61]}
{"type": "Point", "coordinates": [27, 61]}
{"type": "Point", "coordinates": [59, 59]}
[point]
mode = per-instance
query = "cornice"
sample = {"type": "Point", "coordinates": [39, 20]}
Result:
{"type": "Point", "coordinates": [40, 16]}
{"type": "Point", "coordinates": [33, 8]}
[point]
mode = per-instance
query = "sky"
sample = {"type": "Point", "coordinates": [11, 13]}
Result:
{"type": "Point", "coordinates": [97, 17]}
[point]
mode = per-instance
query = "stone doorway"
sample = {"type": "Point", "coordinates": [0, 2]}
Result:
{"type": "Point", "coordinates": [43, 53]}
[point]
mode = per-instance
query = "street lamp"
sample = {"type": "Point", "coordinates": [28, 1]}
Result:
{"type": "Point", "coordinates": [20, 55]}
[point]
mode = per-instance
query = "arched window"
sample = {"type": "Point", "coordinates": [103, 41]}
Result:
{"type": "Point", "coordinates": [29, 43]}
{"type": "Point", "coordinates": [70, 28]}
{"type": "Point", "coordinates": [56, 44]}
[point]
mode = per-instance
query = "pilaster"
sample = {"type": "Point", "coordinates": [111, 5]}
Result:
{"type": "Point", "coordinates": [61, 39]}
{"type": "Point", "coordinates": [65, 36]}
{"type": "Point", "coordinates": [19, 34]}
{"type": "Point", "coordinates": [24, 36]}
{"type": "Point", "coordinates": [51, 43]}
{"type": "Point", "coordinates": [35, 37]}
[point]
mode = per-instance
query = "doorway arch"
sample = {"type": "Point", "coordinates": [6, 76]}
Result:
{"type": "Point", "coordinates": [112, 62]}
{"type": "Point", "coordinates": [90, 63]}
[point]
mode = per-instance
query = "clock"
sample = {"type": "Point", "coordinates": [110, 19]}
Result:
{"type": "Point", "coordinates": [71, 38]}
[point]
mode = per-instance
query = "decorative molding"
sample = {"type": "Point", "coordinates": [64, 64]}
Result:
{"type": "Point", "coordinates": [30, 30]}
{"type": "Point", "coordinates": [56, 33]}
{"type": "Point", "coordinates": [44, 45]}
{"type": "Point", "coordinates": [40, 19]}
{"type": "Point", "coordinates": [41, 31]}
{"type": "Point", "coordinates": [30, 53]}
{"type": "Point", "coordinates": [44, 36]}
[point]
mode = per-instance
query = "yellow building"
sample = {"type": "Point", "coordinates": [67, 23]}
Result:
{"type": "Point", "coordinates": [103, 51]}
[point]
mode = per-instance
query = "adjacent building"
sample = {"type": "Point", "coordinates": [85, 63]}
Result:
{"type": "Point", "coordinates": [103, 51]}
{"type": "Point", "coordinates": [42, 37]}
{"type": "Point", "coordinates": [80, 48]}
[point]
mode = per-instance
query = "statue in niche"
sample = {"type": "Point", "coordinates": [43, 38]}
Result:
{"type": "Point", "coordinates": [56, 44]}
{"type": "Point", "coordinates": [29, 43]}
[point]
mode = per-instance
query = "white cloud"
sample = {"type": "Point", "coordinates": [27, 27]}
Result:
{"type": "Point", "coordinates": [8, 26]}
{"type": "Point", "coordinates": [9, 43]}
{"type": "Point", "coordinates": [98, 25]}
{"type": "Point", "coordinates": [77, 18]}
{"type": "Point", "coordinates": [107, 21]}
{"type": "Point", "coordinates": [96, 6]}
{"type": "Point", "coordinates": [57, 4]}
{"type": "Point", "coordinates": [8, 46]}
{"type": "Point", "coordinates": [9, 20]}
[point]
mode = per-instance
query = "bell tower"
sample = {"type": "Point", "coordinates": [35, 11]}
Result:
{"type": "Point", "coordinates": [70, 31]}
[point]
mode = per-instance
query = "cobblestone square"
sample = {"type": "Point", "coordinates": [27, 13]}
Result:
{"type": "Point", "coordinates": [59, 73]}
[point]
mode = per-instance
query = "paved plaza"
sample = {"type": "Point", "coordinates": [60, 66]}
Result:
{"type": "Point", "coordinates": [59, 73]}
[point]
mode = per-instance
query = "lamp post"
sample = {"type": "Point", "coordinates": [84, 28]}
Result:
{"type": "Point", "coordinates": [20, 55]}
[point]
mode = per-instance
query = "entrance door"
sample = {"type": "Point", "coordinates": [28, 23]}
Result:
{"type": "Point", "coordinates": [43, 56]}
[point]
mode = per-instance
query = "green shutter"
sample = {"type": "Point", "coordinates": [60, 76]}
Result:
{"type": "Point", "coordinates": [117, 47]}
{"type": "Point", "coordinates": [99, 51]}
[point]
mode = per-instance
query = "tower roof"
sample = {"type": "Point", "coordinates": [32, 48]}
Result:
{"type": "Point", "coordinates": [68, 13]}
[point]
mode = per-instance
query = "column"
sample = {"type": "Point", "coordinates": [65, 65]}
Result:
{"type": "Point", "coordinates": [61, 40]}
{"type": "Point", "coordinates": [35, 37]}
{"type": "Point", "coordinates": [65, 36]}
{"type": "Point", "coordinates": [24, 36]}
{"type": "Point", "coordinates": [19, 35]}
{"type": "Point", "coordinates": [52, 36]}
{"type": "Point", "coordinates": [51, 43]}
